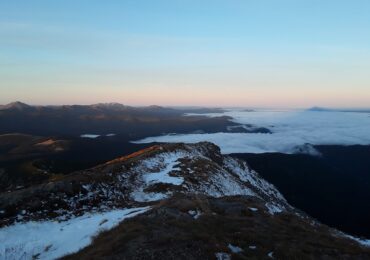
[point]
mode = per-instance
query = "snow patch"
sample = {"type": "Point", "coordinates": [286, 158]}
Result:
{"type": "Point", "coordinates": [222, 183]}
{"type": "Point", "coordinates": [273, 208]}
{"type": "Point", "coordinates": [195, 213]}
{"type": "Point", "coordinates": [235, 249]}
{"type": "Point", "coordinates": [163, 175]}
{"type": "Point", "coordinates": [222, 256]}
{"type": "Point", "coordinates": [157, 170]}
{"type": "Point", "coordinates": [54, 239]}
{"type": "Point", "coordinates": [92, 136]}
{"type": "Point", "coordinates": [363, 242]}
{"type": "Point", "coordinates": [248, 175]}
{"type": "Point", "coordinates": [141, 196]}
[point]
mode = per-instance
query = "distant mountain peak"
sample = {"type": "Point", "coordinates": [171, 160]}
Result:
{"type": "Point", "coordinates": [16, 105]}
{"type": "Point", "coordinates": [316, 108]}
{"type": "Point", "coordinates": [109, 105]}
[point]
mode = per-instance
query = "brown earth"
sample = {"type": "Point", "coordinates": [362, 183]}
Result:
{"type": "Point", "coordinates": [170, 232]}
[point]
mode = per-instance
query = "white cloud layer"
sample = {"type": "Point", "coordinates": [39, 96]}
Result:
{"type": "Point", "coordinates": [290, 129]}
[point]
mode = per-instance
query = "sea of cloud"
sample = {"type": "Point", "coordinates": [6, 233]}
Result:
{"type": "Point", "coordinates": [291, 129]}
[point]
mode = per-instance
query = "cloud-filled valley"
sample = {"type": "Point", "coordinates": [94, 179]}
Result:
{"type": "Point", "coordinates": [290, 130]}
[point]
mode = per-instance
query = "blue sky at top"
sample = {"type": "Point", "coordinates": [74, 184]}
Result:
{"type": "Point", "coordinates": [247, 53]}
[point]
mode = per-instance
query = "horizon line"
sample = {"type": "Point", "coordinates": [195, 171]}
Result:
{"type": "Point", "coordinates": [189, 106]}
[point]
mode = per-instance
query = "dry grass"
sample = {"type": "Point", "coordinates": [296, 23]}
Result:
{"type": "Point", "coordinates": [169, 232]}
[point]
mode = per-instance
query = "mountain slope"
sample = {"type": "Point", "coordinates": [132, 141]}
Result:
{"type": "Point", "coordinates": [143, 177]}
{"type": "Point", "coordinates": [236, 227]}
{"type": "Point", "coordinates": [191, 194]}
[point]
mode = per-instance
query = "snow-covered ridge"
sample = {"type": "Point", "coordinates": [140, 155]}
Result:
{"type": "Point", "coordinates": [192, 170]}
{"type": "Point", "coordinates": [60, 217]}
{"type": "Point", "coordinates": [152, 175]}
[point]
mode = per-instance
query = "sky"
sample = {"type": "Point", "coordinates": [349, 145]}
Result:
{"type": "Point", "coordinates": [262, 53]}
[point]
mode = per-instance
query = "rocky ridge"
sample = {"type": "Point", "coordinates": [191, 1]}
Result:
{"type": "Point", "coordinates": [190, 197]}
{"type": "Point", "coordinates": [144, 177]}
